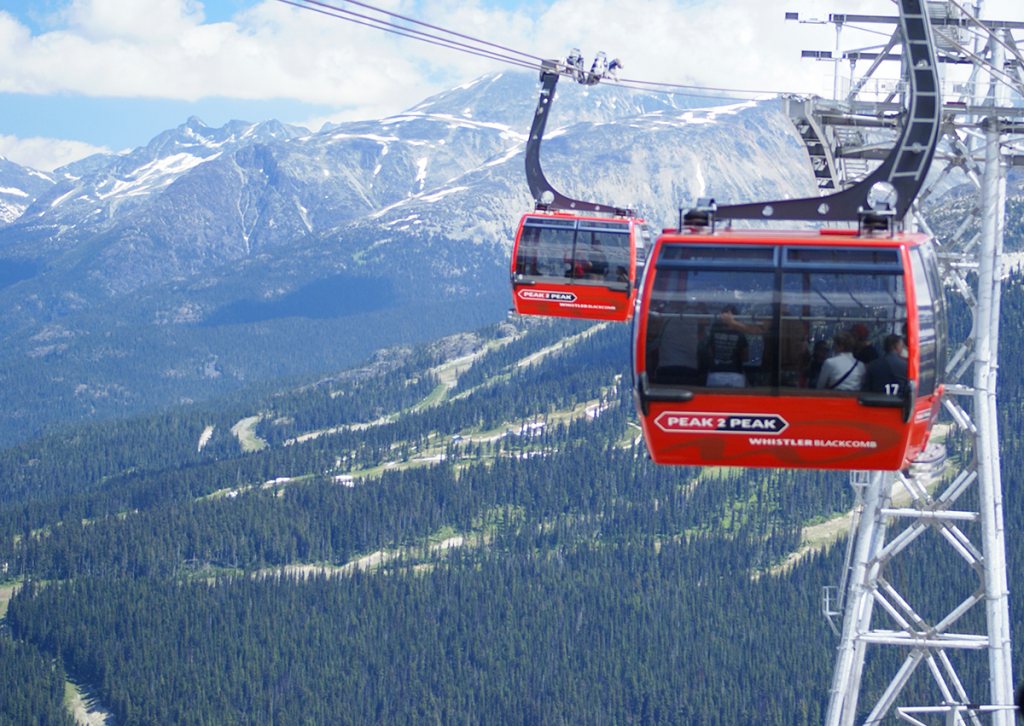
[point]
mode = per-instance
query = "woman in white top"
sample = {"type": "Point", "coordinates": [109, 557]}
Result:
{"type": "Point", "coordinates": [842, 372]}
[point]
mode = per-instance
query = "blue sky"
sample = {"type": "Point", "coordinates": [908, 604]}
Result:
{"type": "Point", "coordinates": [85, 75]}
{"type": "Point", "coordinates": [121, 123]}
{"type": "Point", "coordinates": [127, 122]}
{"type": "Point", "coordinates": [96, 112]}
{"type": "Point", "coordinates": [117, 122]}
{"type": "Point", "coordinates": [38, 14]}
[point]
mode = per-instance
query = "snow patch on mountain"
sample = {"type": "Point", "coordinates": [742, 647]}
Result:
{"type": "Point", "coordinates": [370, 137]}
{"type": "Point", "coordinates": [447, 172]}
{"type": "Point", "coordinates": [431, 198]}
{"type": "Point", "coordinates": [507, 156]}
{"type": "Point", "coordinates": [160, 172]}
{"type": "Point", "coordinates": [9, 212]}
{"type": "Point", "coordinates": [62, 197]}
{"type": "Point", "coordinates": [19, 188]}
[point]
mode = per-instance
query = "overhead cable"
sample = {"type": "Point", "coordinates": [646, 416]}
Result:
{"type": "Point", "coordinates": [388, 27]}
{"type": "Point", "coordinates": [492, 51]}
{"type": "Point", "coordinates": [691, 87]}
{"type": "Point", "coordinates": [995, 36]}
{"type": "Point", "coordinates": [996, 73]}
{"type": "Point", "coordinates": [471, 39]}
{"type": "Point", "coordinates": [482, 48]}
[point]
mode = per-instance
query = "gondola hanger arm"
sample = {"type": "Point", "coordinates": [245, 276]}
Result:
{"type": "Point", "coordinates": [544, 194]}
{"type": "Point", "coordinates": [894, 185]}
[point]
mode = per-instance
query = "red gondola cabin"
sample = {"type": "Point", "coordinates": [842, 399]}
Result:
{"type": "Point", "coordinates": [746, 349]}
{"type": "Point", "coordinates": [574, 266]}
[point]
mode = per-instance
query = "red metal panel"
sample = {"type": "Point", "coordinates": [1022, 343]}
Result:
{"type": "Point", "coordinates": [587, 302]}
{"type": "Point", "coordinates": [792, 432]}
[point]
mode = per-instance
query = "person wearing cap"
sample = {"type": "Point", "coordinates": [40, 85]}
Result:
{"type": "Point", "coordinates": [864, 351]}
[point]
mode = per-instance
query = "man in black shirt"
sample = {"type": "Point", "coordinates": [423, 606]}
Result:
{"type": "Point", "coordinates": [726, 350]}
{"type": "Point", "coordinates": [888, 374]}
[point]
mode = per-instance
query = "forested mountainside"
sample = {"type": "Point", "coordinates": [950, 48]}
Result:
{"type": "Point", "coordinates": [462, 532]}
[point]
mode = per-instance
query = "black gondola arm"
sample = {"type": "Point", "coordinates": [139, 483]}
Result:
{"type": "Point", "coordinates": [903, 170]}
{"type": "Point", "coordinates": [545, 195]}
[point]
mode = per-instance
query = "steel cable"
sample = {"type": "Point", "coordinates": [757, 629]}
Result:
{"type": "Point", "coordinates": [481, 48]}
{"type": "Point", "coordinates": [388, 27]}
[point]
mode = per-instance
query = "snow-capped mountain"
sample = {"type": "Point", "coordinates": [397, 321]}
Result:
{"type": "Point", "coordinates": [314, 183]}
{"type": "Point", "coordinates": [19, 187]}
{"type": "Point", "coordinates": [228, 242]}
{"type": "Point", "coordinates": [196, 198]}
{"type": "Point", "coordinates": [95, 194]}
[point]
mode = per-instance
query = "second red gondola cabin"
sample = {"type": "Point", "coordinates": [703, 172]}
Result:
{"type": "Point", "coordinates": [573, 266]}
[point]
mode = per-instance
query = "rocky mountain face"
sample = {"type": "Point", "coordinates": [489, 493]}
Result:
{"type": "Point", "coordinates": [272, 251]}
{"type": "Point", "coordinates": [19, 187]}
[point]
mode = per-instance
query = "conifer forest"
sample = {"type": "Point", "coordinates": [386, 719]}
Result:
{"type": "Point", "coordinates": [463, 532]}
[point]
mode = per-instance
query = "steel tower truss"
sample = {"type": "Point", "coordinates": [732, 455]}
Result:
{"type": "Point", "coordinates": [983, 133]}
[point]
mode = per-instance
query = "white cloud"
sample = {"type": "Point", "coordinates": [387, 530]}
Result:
{"type": "Point", "coordinates": [269, 51]}
{"type": "Point", "coordinates": [162, 48]}
{"type": "Point", "coordinates": [45, 154]}
{"type": "Point", "coordinates": [103, 21]}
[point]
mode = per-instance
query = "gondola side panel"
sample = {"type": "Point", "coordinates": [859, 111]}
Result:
{"type": "Point", "coordinates": [793, 433]}
{"type": "Point", "coordinates": [572, 301]}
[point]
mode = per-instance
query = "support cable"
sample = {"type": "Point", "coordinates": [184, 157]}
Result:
{"type": "Point", "coordinates": [387, 27]}
{"type": "Point", "coordinates": [438, 28]}
{"type": "Point", "coordinates": [481, 48]}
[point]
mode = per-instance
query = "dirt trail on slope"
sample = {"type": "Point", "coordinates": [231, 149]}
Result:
{"type": "Point", "coordinates": [363, 563]}
{"type": "Point", "coordinates": [818, 536]}
{"type": "Point", "coordinates": [6, 593]}
{"type": "Point", "coordinates": [85, 708]}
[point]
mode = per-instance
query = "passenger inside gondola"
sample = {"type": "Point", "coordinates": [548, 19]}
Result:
{"type": "Point", "coordinates": [676, 328]}
{"type": "Point", "coordinates": [543, 249]}
{"type": "Point", "coordinates": [888, 374]}
{"type": "Point", "coordinates": [594, 264]}
{"type": "Point", "coordinates": [577, 250]}
{"type": "Point", "coordinates": [865, 352]}
{"type": "Point", "coordinates": [725, 350]}
{"type": "Point", "coordinates": [602, 255]}
{"type": "Point", "coordinates": [842, 372]}
{"type": "Point", "coordinates": [818, 356]}
{"type": "Point", "coordinates": [785, 354]}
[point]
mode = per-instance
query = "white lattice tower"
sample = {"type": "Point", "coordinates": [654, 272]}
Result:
{"type": "Point", "coordinates": [981, 134]}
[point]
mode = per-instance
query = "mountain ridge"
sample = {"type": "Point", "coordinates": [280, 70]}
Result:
{"type": "Point", "coordinates": [273, 250]}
